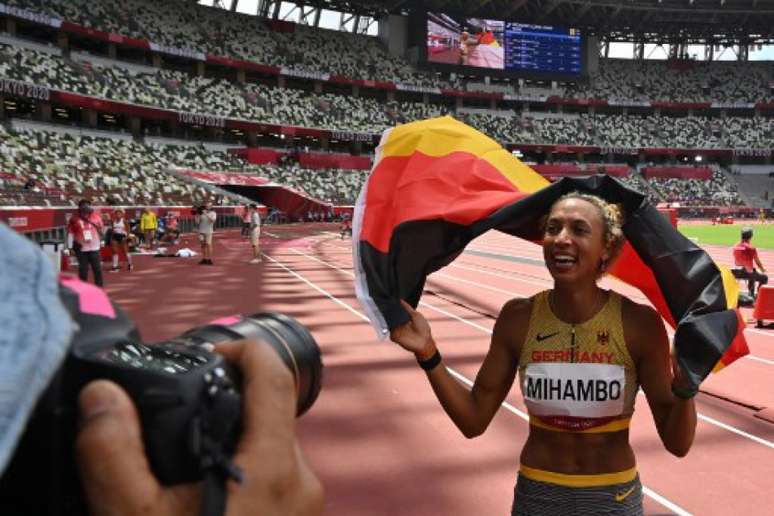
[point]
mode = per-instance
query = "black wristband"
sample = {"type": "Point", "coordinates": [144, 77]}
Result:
{"type": "Point", "coordinates": [430, 363]}
{"type": "Point", "coordinates": [684, 394]}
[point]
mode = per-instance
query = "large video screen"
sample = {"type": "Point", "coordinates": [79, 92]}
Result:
{"type": "Point", "coordinates": [499, 45]}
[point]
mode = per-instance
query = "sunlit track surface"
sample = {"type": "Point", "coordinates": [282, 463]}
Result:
{"type": "Point", "coordinates": [378, 438]}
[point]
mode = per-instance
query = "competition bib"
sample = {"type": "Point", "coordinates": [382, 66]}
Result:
{"type": "Point", "coordinates": [574, 390]}
{"type": "Point", "coordinates": [87, 235]}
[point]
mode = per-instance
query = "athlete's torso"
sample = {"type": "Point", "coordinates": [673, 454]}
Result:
{"type": "Point", "coordinates": [577, 377]}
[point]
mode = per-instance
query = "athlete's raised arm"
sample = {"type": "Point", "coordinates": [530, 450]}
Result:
{"type": "Point", "coordinates": [471, 410]}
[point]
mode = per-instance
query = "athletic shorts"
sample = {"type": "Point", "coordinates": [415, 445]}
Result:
{"type": "Point", "coordinates": [543, 498]}
{"type": "Point", "coordinates": [118, 237]}
{"type": "Point", "coordinates": [205, 238]}
{"type": "Point", "coordinates": [255, 235]}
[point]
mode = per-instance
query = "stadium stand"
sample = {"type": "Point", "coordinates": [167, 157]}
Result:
{"type": "Point", "coordinates": [316, 54]}
{"type": "Point", "coordinates": [271, 104]}
{"type": "Point", "coordinates": [199, 29]}
{"type": "Point", "coordinates": [103, 167]}
{"type": "Point", "coordinates": [340, 187]}
{"type": "Point", "coordinates": [756, 184]}
{"type": "Point", "coordinates": [626, 81]}
{"type": "Point", "coordinates": [716, 190]}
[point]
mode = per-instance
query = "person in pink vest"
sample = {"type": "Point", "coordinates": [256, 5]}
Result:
{"type": "Point", "coordinates": [84, 237]}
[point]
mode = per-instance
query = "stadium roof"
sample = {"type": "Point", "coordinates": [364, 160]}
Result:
{"type": "Point", "coordinates": [647, 20]}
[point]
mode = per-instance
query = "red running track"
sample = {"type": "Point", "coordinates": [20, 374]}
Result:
{"type": "Point", "coordinates": [378, 438]}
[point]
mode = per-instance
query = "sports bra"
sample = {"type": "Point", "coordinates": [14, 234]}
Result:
{"type": "Point", "coordinates": [577, 377]}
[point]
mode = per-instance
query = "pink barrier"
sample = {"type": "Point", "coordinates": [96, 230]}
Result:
{"type": "Point", "coordinates": [677, 172]}
{"type": "Point", "coordinates": [341, 161]}
{"type": "Point", "coordinates": [555, 170]}
{"type": "Point", "coordinates": [259, 156]}
{"type": "Point", "coordinates": [559, 169]}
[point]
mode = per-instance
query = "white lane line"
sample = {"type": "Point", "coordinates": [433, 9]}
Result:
{"type": "Point", "coordinates": [457, 279]}
{"type": "Point", "coordinates": [760, 440]}
{"type": "Point", "coordinates": [666, 503]}
{"type": "Point", "coordinates": [422, 303]}
{"type": "Point", "coordinates": [759, 359]}
{"type": "Point", "coordinates": [318, 289]}
{"type": "Point", "coordinates": [647, 491]}
{"type": "Point", "coordinates": [488, 331]}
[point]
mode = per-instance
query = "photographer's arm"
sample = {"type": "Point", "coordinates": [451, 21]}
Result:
{"type": "Point", "coordinates": [117, 477]}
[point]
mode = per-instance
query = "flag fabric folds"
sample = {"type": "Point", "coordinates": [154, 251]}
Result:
{"type": "Point", "coordinates": [437, 184]}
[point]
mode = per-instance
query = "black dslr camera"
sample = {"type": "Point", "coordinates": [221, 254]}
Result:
{"type": "Point", "coordinates": [187, 396]}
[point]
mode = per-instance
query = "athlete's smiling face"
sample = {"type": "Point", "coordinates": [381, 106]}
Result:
{"type": "Point", "coordinates": [573, 241]}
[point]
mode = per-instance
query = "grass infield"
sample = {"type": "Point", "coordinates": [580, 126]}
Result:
{"type": "Point", "coordinates": [729, 234]}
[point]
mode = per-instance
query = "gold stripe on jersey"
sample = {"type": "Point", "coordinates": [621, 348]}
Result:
{"type": "Point", "coordinates": [563, 479]}
{"type": "Point", "coordinates": [599, 340]}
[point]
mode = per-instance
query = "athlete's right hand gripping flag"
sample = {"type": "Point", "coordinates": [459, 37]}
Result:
{"type": "Point", "coordinates": [437, 184]}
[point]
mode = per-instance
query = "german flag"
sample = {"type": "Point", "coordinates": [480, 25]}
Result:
{"type": "Point", "coordinates": [437, 184]}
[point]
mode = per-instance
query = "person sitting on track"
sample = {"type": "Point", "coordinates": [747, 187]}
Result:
{"type": "Point", "coordinates": [172, 229]}
{"type": "Point", "coordinates": [346, 226]}
{"type": "Point", "coordinates": [746, 258]}
{"type": "Point", "coordinates": [581, 353]}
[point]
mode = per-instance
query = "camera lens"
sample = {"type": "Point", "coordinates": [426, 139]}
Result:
{"type": "Point", "coordinates": [289, 338]}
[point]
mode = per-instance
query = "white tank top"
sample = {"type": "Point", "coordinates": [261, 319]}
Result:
{"type": "Point", "coordinates": [119, 227]}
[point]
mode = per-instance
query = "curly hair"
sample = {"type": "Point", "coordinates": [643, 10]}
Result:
{"type": "Point", "coordinates": [612, 219]}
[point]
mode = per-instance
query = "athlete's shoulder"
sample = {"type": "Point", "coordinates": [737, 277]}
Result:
{"type": "Point", "coordinates": [637, 314]}
{"type": "Point", "coordinates": [517, 307]}
{"type": "Point", "coordinates": [642, 327]}
{"type": "Point", "coordinates": [511, 325]}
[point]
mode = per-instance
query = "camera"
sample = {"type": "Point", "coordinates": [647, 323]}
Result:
{"type": "Point", "coordinates": [187, 396]}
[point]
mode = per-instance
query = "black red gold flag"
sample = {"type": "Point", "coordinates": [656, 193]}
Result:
{"type": "Point", "coordinates": [437, 184]}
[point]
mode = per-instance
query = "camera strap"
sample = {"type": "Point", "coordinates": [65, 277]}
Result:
{"type": "Point", "coordinates": [213, 428]}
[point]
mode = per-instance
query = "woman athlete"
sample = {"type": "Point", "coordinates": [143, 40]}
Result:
{"type": "Point", "coordinates": [581, 353]}
{"type": "Point", "coordinates": [119, 241]}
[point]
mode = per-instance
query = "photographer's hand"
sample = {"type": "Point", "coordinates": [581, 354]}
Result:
{"type": "Point", "coordinates": [117, 478]}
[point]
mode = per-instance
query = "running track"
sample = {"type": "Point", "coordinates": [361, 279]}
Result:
{"type": "Point", "coordinates": [378, 438]}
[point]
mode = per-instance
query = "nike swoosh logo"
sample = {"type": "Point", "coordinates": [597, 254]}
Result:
{"type": "Point", "coordinates": [540, 337]}
{"type": "Point", "coordinates": [620, 497]}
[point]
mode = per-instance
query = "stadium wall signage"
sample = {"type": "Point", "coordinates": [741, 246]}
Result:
{"type": "Point", "coordinates": [755, 153]}
{"type": "Point", "coordinates": [34, 17]}
{"type": "Point", "coordinates": [525, 98]}
{"type": "Point", "coordinates": [203, 120]}
{"type": "Point", "coordinates": [628, 103]}
{"type": "Point", "coordinates": [417, 89]}
{"type": "Point", "coordinates": [305, 74]}
{"type": "Point", "coordinates": [23, 89]}
{"type": "Point", "coordinates": [733, 105]}
{"type": "Point", "coordinates": [619, 150]}
{"type": "Point", "coordinates": [346, 136]}
{"type": "Point", "coordinates": [179, 52]}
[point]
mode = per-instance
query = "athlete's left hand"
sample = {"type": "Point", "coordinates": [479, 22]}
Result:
{"type": "Point", "coordinates": [679, 378]}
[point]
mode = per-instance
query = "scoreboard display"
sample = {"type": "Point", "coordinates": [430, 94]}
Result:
{"type": "Point", "coordinates": [505, 46]}
{"type": "Point", "coordinates": [542, 48]}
